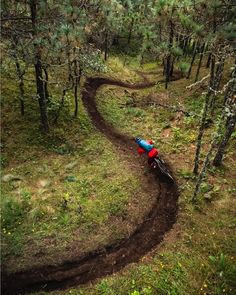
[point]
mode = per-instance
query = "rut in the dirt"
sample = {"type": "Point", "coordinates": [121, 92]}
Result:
{"type": "Point", "coordinates": [113, 257]}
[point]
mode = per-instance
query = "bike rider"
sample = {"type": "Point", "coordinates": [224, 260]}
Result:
{"type": "Point", "coordinates": [147, 146]}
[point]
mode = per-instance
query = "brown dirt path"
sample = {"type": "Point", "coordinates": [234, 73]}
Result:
{"type": "Point", "coordinates": [111, 258]}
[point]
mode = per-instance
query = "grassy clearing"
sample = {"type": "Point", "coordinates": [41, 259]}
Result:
{"type": "Point", "coordinates": [63, 195]}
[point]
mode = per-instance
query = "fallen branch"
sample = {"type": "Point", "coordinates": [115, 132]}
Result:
{"type": "Point", "coordinates": [173, 108]}
{"type": "Point", "coordinates": [198, 82]}
{"type": "Point", "coordinates": [153, 103]}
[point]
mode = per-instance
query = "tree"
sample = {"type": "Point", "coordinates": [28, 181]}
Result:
{"type": "Point", "coordinates": [230, 105]}
{"type": "Point", "coordinates": [203, 120]}
{"type": "Point", "coordinates": [200, 61]}
{"type": "Point", "coordinates": [206, 162]}
{"type": "Point", "coordinates": [38, 68]}
{"type": "Point", "coordinates": [105, 23]}
{"type": "Point", "coordinates": [193, 59]}
{"type": "Point", "coordinates": [20, 70]}
{"type": "Point", "coordinates": [228, 112]}
{"type": "Point", "coordinates": [168, 59]}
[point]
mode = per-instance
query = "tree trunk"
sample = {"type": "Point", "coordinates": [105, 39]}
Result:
{"type": "Point", "coordinates": [77, 80]}
{"type": "Point", "coordinates": [207, 160]}
{"type": "Point", "coordinates": [106, 46]}
{"type": "Point", "coordinates": [186, 45]}
{"type": "Point", "coordinates": [164, 67]}
{"type": "Point", "coordinates": [208, 60]}
{"type": "Point", "coordinates": [61, 105]}
{"type": "Point", "coordinates": [160, 32]}
{"type": "Point", "coordinates": [193, 47]}
{"type": "Point", "coordinates": [229, 102]}
{"type": "Point", "coordinates": [177, 38]}
{"type": "Point", "coordinates": [219, 74]}
{"type": "Point", "coordinates": [68, 56]}
{"type": "Point", "coordinates": [40, 92]}
{"type": "Point", "coordinates": [106, 41]}
{"type": "Point", "coordinates": [46, 85]}
{"type": "Point", "coordinates": [38, 71]}
{"type": "Point", "coordinates": [200, 133]}
{"type": "Point", "coordinates": [221, 149]}
{"type": "Point", "coordinates": [20, 74]}
{"type": "Point", "coordinates": [203, 120]}
{"type": "Point", "coordinates": [218, 77]}
{"type": "Point", "coordinates": [202, 173]}
{"type": "Point", "coordinates": [193, 59]}
{"type": "Point", "coordinates": [76, 98]}
{"type": "Point", "coordinates": [131, 30]}
{"type": "Point", "coordinates": [230, 91]}
{"type": "Point", "coordinates": [200, 62]}
{"type": "Point", "coordinates": [22, 96]}
{"type": "Point", "coordinates": [214, 30]}
{"type": "Point", "coordinates": [168, 59]}
{"type": "Point", "coordinates": [172, 67]}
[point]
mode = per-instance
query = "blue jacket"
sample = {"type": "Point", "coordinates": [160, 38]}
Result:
{"type": "Point", "coordinates": [144, 144]}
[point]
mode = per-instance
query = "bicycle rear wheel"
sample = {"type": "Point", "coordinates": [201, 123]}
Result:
{"type": "Point", "coordinates": [162, 167]}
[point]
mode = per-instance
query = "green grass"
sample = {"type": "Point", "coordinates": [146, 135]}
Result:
{"type": "Point", "coordinates": [85, 197]}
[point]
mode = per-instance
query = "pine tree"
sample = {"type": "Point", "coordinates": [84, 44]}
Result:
{"type": "Point", "coordinates": [206, 162]}
{"type": "Point", "coordinates": [200, 61]}
{"type": "Point", "coordinates": [20, 70]}
{"type": "Point", "coordinates": [228, 112]}
{"type": "Point", "coordinates": [203, 120]}
{"type": "Point", "coordinates": [38, 69]}
{"type": "Point", "coordinates": [230, 103]}
{"type": "Point", "coordinates": [193, 59]}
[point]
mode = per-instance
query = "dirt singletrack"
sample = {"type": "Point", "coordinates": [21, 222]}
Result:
{"type": "Point", "coordinates": [111, 258]}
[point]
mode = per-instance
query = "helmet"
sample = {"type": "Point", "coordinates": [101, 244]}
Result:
{"type": "Point", "coordinates": [137, 139]}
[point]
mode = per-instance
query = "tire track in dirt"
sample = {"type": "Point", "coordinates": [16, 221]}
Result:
{"type": "Point", "coordinates": [111, 258]}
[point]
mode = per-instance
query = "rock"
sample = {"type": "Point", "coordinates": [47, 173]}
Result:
{"type": "Point", "coordinates": [43, 183]}
{"type": "Point", "coordinates": [126, 92]}
{"type": "Point", "coordinates": [41, 191]}
{"type": "Point", "coordinates": [49, 209]}
{"type": "Point", "coordinates": [16, 185]}
{"type": "Point", "coordinates": [208, 197]}
{"type": "Point", "coordinates": [71, 165]}
{"type": "Point", "coordinates": [11, 177]}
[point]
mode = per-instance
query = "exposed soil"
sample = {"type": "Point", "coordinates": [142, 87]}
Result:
{"type": "Point", "coordinates": [111, 258]}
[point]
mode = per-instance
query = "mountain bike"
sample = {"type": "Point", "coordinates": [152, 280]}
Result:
{"type": "Point", "coordinates": [160, 164]}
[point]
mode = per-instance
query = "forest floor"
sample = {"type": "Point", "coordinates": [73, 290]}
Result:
{"type": "Point", "coordinates": [71, 200]}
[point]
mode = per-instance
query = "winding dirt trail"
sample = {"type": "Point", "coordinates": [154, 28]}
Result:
{"type": "Point", "coordinates": [111, 258]}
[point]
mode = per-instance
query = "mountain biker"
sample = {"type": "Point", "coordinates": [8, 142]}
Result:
{"type": "Point", "coordinates": [147, 146]}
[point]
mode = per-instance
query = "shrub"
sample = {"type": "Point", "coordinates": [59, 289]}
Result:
{"type": "Point", "coordinates": [13, 210]}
